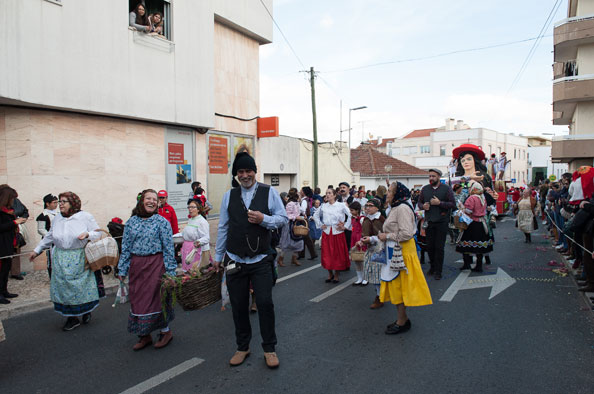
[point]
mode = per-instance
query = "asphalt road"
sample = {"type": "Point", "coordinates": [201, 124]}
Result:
{"type": "Point", "coordinates": [536, 336]}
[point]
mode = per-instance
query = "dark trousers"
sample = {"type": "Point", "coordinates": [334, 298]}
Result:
{"type": "Point", "coordinates": [347, 237]}
{"type": "Point", "coordinates": [5, 265]}
{"type": "Point", "coordinates": [587, 258]}
{"type": "Point", "coordinates": [436, 234]}
{"type": "Point", "coordinates": [308, 243]}
{"type": "Point", "coordinates": [260, 276]}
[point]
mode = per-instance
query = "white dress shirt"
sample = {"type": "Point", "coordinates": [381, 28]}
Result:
{"type": "Point", "coordinates": [331, 215]}
{"type": "Point", "coordinates": [65, 231]}
{"type": "Point", "coordinates": [198, 230]}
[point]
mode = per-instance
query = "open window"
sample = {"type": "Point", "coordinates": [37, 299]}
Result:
{"type": "Point", "coordinates": [159, 15]}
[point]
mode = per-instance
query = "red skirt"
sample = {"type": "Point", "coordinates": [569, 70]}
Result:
{"type": "Point", "coordinates": [335, 255]}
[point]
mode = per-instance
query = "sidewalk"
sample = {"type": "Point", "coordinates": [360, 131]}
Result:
{"type": "Point", "coordinates": [34, 293]}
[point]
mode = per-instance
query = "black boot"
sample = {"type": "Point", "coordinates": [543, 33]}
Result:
{"type": "Point", "coordinates": [487, 260]}
{"type": "Point", "coordinates": [529, 238]}
{"type": "Point", "coordinates": [467, 258]}
{"type": "Point", "coordinates": [479, 264]}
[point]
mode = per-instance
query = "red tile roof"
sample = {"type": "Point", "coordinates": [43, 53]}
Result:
{"type": "Point", "coordinates": [384, 142]}
{"type": "Point", "coordinates": [420, 133]}
{"type": "Point", "coordinates": [370, 162]}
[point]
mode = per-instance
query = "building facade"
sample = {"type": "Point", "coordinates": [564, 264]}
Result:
{"type": "Point", "coordinates": [540, 163]}
{"type": "Point", "coordinates": [107, 112]}
{"type": "Point", "coordinates": [573, 85]}
{"type": "Point", "coordinates": [432, 148]}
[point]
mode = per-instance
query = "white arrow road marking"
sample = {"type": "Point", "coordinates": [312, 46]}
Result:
{"type": "Point", "coordinates": [335, 290]}
{"type": "Point", "coordinates": [497, 283]}
{"type": "Point", "coordinates": [164, 376]}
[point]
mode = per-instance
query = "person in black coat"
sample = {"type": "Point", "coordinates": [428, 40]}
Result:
{"type": "Point", "coordinates": [8, 230]}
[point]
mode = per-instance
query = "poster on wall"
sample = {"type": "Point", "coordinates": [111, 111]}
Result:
{"type": "Point", "coordinates": [242, 144]}
{"type": "Point", "coordinates": [179, 163]}
{"type": "Point", "coordinates": [217, 155]}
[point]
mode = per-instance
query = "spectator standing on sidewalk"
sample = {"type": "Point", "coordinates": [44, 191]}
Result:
{"type": "Point", "coordinates": [74, 289]}
{"type": "Point", "coordinates": [147, 254]}
{"type": "Point", "coordinates": [167, 211]}
{"type": "Point", "coordinates": [20, 211]}
{"type": "Point", "coordinates": [248, 213]}
{"type": "Point", "coordinates": [436, 199]}
{"type": "Point", "coordinates": [9, 226]}
{"type": "Point", "coordinates": [44, 223]}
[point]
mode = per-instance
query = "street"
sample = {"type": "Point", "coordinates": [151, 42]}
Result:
{"type": "Point", "coordinates": [535, 336]}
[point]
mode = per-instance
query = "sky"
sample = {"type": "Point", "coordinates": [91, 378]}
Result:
{"type": "Point", "coordinates": [475, 86]}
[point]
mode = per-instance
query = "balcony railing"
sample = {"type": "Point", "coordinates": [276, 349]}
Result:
{"type": "Point", "coordinates": [574, 19]}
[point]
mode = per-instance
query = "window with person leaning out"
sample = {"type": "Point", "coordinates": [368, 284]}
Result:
{"type": "Point", "coordinates": [147, 16]}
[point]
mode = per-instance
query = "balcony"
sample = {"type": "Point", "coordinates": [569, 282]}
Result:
{"type": "Point", "coordinates": [567, 91]}
{"type": "Point", "coordinates": [569, 33]}
{"type": "Point", "coordinates": [571, 147]}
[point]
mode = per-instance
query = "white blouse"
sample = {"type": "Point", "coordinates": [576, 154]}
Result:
{"type": "Point", "coordinates": [65, 231]}
{"type": "Point", "coordinates": [331, 215]}
{"type": "Point", "coordinates": [198, 230]}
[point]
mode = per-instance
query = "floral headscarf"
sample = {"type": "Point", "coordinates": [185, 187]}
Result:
{"type": "Point", "coordinates": [74, 201]}
{"type": "Point", "coordinates": [401, 195]}
{"type": "Point", "coordinates": [477, 189]}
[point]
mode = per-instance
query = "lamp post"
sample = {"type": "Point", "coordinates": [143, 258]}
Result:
{"type": "Point", "coordinates": [350, 110]}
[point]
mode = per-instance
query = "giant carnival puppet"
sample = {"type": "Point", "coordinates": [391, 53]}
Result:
{"type": "Point", "coordinates": [475, 203]}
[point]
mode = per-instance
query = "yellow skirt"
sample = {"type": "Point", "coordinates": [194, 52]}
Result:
{"type": "Point", "coordinates": [408, 288]}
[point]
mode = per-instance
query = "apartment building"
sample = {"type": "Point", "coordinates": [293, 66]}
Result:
{"type": "Point", "coordinates": [430, 148]}
{"type": "Point", "coordinates": [573, 85]}
{"type": "Point", "coordinates": [90, 104]}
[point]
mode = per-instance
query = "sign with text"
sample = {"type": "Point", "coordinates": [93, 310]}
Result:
{"type": "Point", "coordinates": [268, 127]}
{"type": "Point", "coordinates": [217, 155]}
{"type": "Point", "coordinates": [175, 153]}
{"type": "Point", "coordinates": [274, 180]}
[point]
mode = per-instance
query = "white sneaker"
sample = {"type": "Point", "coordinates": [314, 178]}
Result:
{"type": "Point", "coordinates": [358, 282]}
{"type": "Point", "coordinates": [558, 247]}
{"type": "Point", "coordinates": [364, 283]}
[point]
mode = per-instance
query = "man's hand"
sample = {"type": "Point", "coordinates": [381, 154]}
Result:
{"type": "Point", "coordinates": [435, 201]}
{"type": "Point", "coordinates": [216, 265]}
{"type": "Point", "coordinates": [255, 217]}
{"type": "Point", "coordinates": [426, 206]}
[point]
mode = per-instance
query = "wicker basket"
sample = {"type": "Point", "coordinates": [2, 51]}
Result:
{"type": "Point", "coordinates": [357, 256]}
{"type": "Point", "coordinates": [102, 253]}
{"type": "Point", "coordinates": [458, 224]}
{"type": "Point", "coordinates": [200, 292]}
{"type": "Point", "coordinates": [301, 230]}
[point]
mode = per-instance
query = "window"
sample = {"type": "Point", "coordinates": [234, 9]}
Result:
{"type": "Point", "coordinates": [425, 149]}
{"type": "Point", "coordinates": [395, 151]}
{"type": "Point", "coordinates": [499, 150]}
{"type": "Point", "coordinates": [515, 153]}
{"type": "Point", "coordinates": [154, 7]}
{"type": "Point", "coordinates": [412, 150]}
{"type": "Point", "coordinates": [490, 149]}
{"type": "Point", "coordinates": [442, 150]}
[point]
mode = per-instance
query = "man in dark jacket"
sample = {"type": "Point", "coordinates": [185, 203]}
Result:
{"type": "Point", "coordinates": [437, 199]}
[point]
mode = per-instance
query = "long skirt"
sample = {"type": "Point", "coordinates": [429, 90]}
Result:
{"type": "Point", "coordinates": [73, 289]}
{"type": "Point", "coordinates": [371, 269]}
{"type": "Point", "coordinates": [526, 220]}
{"type": "Point", "coordinates": [475, 240]}
{"type": "Point", "coordinates": [335, 255]}
{"type": "Point", "coordinates": [146, 309]}
{"type": "Point", "coordinates": [288, 244]}
{"type": "Point", "coordinates": [408, 288]}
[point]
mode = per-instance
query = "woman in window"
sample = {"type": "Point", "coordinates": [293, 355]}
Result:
{"type": "Point", "coordinates": [139, 20]}
{"type": "Point", "coordinates": [156, 22]}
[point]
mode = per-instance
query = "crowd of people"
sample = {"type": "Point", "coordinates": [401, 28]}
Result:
{"type": "Point", "coordinates": [385, 233]}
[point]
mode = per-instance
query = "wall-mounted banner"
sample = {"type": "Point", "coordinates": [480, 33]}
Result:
{"type": "Point", "coordinates": [268, 127]}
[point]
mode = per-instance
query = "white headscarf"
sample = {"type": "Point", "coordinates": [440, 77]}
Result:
{"type": "Point", "coordinates": [477, 187]}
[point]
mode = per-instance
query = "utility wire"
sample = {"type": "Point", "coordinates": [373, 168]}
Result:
{"type": "Point", "coordinates": [543, 29]}
{"type": "Point", "coordinates": [283, 34]}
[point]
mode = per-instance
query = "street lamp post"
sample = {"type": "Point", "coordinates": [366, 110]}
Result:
{"type": "Point", "coordinates": [350, 110]}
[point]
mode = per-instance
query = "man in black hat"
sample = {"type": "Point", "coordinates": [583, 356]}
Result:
{"type": "Point", "coordinates": [248, 212]}
{"type": "Point", "coordinates": [437, 199]}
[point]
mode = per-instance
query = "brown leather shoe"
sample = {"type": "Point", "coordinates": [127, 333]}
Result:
{"type": "Point", "coordinates": [376, 303]}
{"type": "Point", "coordinates": [239, 357]}
{"type": "Point", "coordinates": [164, 339]}
{"type": "Point", "coordinates": [271, 360]}
{"type": "Point", "coordinates": [143, 342]}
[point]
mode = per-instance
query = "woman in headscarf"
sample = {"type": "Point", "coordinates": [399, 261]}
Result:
{"type": "Point", "coordinates": [372, 225]}
{"type": "Point", "coordinates": [74, 289]}
{"type": "Point", "coordinates": [524, 210]}
{"type": "Point", "coordinates": [147, 254]}
{"type": "Point", "coordinates": [475, 239]}
{"type": "Point", "coordinates": [401, 287]}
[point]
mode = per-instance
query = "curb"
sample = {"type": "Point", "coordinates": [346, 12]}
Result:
{"type": "Point", "coordinates": [36, 306]}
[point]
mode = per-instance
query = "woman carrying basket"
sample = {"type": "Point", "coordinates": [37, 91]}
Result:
{"type": "Point", "coordinates": [74, 289]}
{"type": "Point", "coordinates": [147, 254]}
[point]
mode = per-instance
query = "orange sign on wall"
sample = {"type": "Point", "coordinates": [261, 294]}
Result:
{"type": "Point", "coordinates": [217, 155]}
{"type": "Point", "coordinates": [268, 127]}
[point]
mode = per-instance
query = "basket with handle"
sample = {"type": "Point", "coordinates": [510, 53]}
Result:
{"type": "Point", "coordinates": [357, 255]}
{"type": "Point", "coordinates": [102, 252]}
{"type": "Point", "coordinates": [301, 230]}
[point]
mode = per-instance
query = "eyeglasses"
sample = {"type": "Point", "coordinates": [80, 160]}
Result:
{"type": "Point", "coordinates": [63, 202]}
{"type": "Point", "coordinates": [369, 205]}
{"type": "Point", "coordinates": [192, 207]}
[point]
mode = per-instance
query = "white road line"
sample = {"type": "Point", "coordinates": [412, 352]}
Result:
{"type": "Point", "coordinates": [297, 273]}
{"type": "Point", "coordinates": [335, 290]}
{"type": "Point", "coordinates": [164, 376]}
